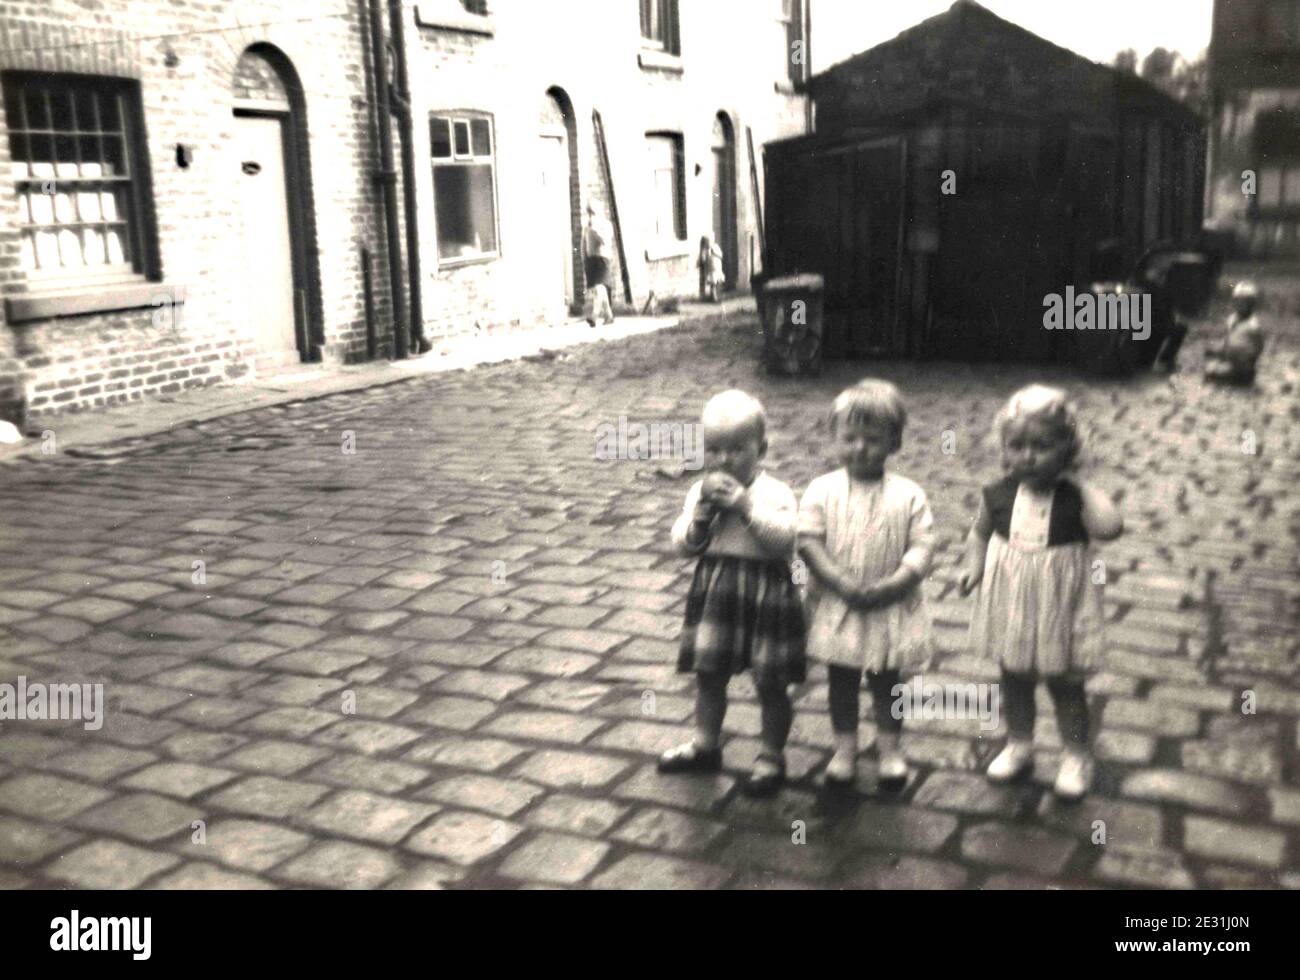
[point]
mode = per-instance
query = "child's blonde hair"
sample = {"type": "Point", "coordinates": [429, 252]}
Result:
{"type": "Point", "coordinates": [733, 408]}
{"type": "Point", "coordinates": [1052, 405]}
{"type": "Point", "coordinates": [872, 402]}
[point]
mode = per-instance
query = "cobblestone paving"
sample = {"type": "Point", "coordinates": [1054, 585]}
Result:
{"type": "Point", "coordinates": [446, 660]}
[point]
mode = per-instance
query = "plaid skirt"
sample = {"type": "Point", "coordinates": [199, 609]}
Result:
{"type": "Point", "coordinates": [741, 615]}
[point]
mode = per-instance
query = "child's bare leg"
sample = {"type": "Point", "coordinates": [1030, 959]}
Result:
{"type": "Point", "coordinates": [777, 715]}
{"type": "Point", "coordinates": [845, 683]}
{"type": "Point", "coordinates": [1074, 778]}
{"type": "Point", "coordinates": [704, 752]}
{"type": "Point", "coordinates": [1071, 700]}
{"type": "Point", "coordinates": [609, 306]}
{"type": "Point", "coordinates": [1018, 692]}
{"type": "Point", "coordinates": [888, 728]}
{"type": "Point", "coordinates": [710, 709]}
{"type": "Point", "coordinates": [1018, 755]}
{"type": "Point", "coordinates": [844, 696]}
{"type": "Point", "coordinates": [881, 686]}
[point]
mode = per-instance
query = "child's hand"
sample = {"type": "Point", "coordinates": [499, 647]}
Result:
{"type": "Point", "coordinates": [851, 589]}
{"type": "Point", "coordinates": [704, 513]}
{"type": "Point", "coordinates": [713, 484]}
{"type": "Point", "coordinates": [969, 581]}
{"type": "Point", "coordinates": [869, 596]}
{"type": "Point", "coordinates": [884, 592]}
{"type": "Point", "coordinates": [729, 494]}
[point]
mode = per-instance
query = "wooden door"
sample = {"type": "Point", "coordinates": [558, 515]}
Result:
{"type": "Point", "coordinates": [267, 243]}
{"type": "Point", "coordinates": [724, 197]}
{"type": "Point", "coordinates": [859, 193]}
{"type": "Point", "coordinates": [557, 217]}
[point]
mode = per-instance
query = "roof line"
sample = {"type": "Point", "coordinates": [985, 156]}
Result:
{"type": "Point", "coordinates": [960, 8]}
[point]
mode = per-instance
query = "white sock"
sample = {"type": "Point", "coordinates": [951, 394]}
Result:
{"type": "Point", "coordinates": [846, 751]}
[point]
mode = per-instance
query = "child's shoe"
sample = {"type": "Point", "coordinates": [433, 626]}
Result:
{"type": "Point", "coordinates": [841, 771]}
{"type": "Point", "coordinates": [691, 758]}
{"type": "Point", "coordinates": [893, 767]}
{"type": "Point", "coordinates": [1074, 778]}
{"type": "Point", "coordinates": [1012, 761]}
{"type": "Point", "coordinates": [767, 777]}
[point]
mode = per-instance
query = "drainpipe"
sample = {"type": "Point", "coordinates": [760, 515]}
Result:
{"type": "Point", "coordinates": [402, 99]}
{"type": "Point", "coordinates": [807, 68]}
{"type": "Point", "coordinates": [368, 292]}
{"type": "Point", "coordinates": [386, 177]}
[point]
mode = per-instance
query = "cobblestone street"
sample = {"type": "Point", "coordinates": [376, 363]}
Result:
{"type": "Point", "coordinates": [447, 659]}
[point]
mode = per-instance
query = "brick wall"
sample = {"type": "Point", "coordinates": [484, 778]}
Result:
{"type": "Point", "coordinates": [733, 54]}
{"type": "Point", "coordinates": [184, 54]}
{"type": "Point", "coordinates": [187, 84]}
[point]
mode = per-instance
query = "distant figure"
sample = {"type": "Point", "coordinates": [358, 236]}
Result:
{"type": "Point", "coordinates": [1233, 360]}
{"type": "Point", "coordinates": [595, 245]}
{"type": "Point", "coordinates": [712, 276]}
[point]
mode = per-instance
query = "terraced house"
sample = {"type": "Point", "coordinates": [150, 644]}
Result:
{"type": "Point", "coordinates": [1255, 91]}
{"type": "Point", "coordinates": [193, 193]}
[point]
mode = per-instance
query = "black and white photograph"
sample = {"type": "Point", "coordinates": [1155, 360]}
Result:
{"type": "Point", "coordinates": [654, 445]}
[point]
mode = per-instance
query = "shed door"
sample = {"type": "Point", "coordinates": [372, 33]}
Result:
{"type": "Point", "coordinates": [268, 254]}
{"type": "Point", "coordinates": [858, 196]}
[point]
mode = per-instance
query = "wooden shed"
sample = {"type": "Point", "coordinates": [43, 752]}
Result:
{"type": "Point", "coordinates": [963, 171]}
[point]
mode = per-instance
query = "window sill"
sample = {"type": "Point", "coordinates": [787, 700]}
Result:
{"type": "Point", "coordinates": [448, 18]}
{"type": "Point", "coordinates": [667, 250]}
{"type": "Point", "coordinates": [78, 300]}
{"type": "Point", "coordinates": [655, 59]}
{"type": "Point", "coordinates": [463, 261]}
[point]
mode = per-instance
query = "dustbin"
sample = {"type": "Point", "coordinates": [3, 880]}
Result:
{"type": "Point", "coordinates": [791, 310]}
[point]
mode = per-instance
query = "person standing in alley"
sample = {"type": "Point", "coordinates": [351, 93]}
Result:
{"type": "Point", "coordinates": [712, 276]}
{"type": "Point", "coordinates": [596, 240]}
{"type": "Point", "coordinates": [1233, 360]}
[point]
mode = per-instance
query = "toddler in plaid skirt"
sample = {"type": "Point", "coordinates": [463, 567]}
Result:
{"type": "Point", "coordinates": [743, 610]}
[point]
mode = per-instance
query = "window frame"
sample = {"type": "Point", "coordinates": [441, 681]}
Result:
{"type": "Point", "coordinates": [138, 223]}
{"type": "Point", "coordinates": [452, 118]}
{"type": "Point", "coordinates": [1277, 148]}
{"type": "Point", "coordinates": [796, 29]}
{"type": "Point", "coordinates": [455, 15]}
{"type": "Point", "coordinates": [660, 24]}
{"type": "Point", "coordinates": [681, 228]}
{"type": "Point", "coordinates": [1284, 207]}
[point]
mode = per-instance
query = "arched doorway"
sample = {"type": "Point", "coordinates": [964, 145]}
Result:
{"type": "Point", "coordinates": [724, 195]}
{"type": "Point", "coordinates": [561, 223]}
{"type": "Point", "coordinates": [272, 178]}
